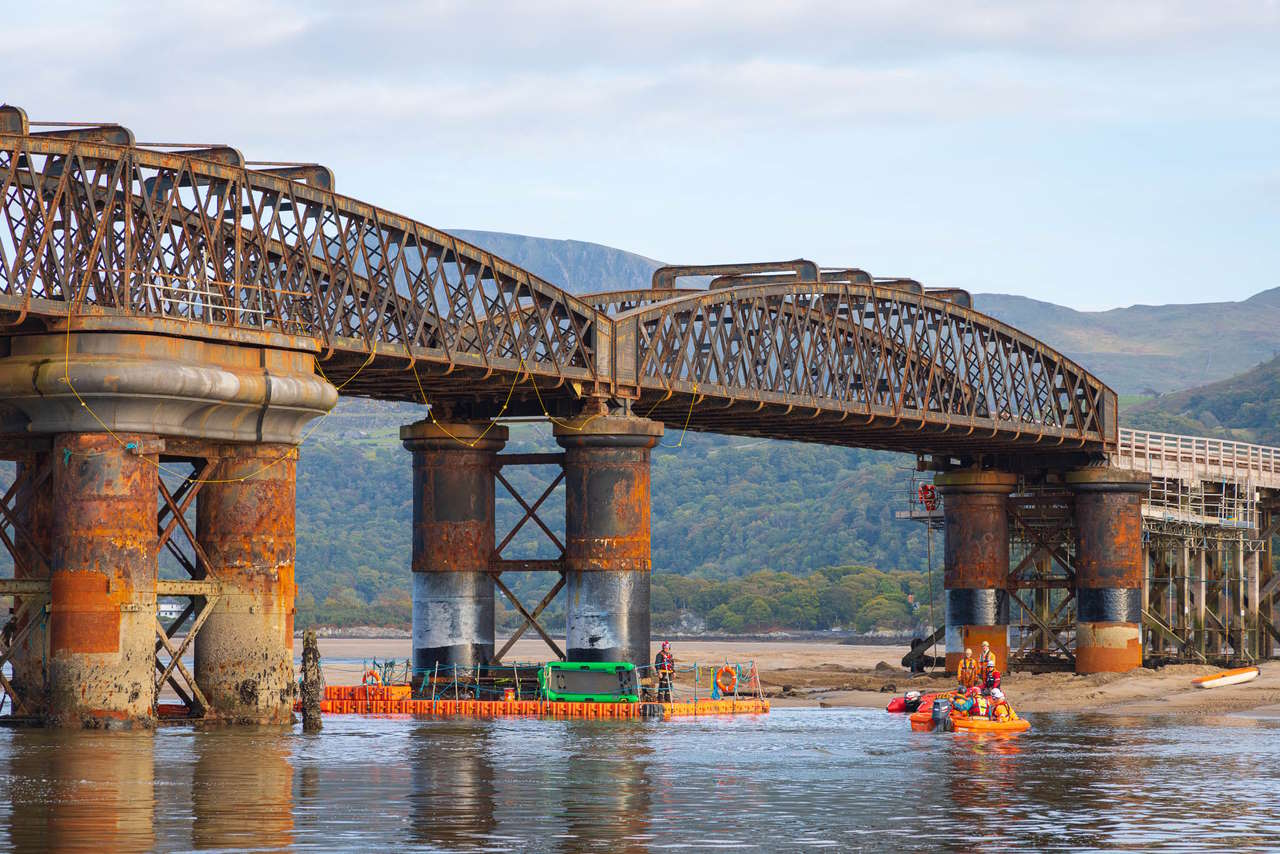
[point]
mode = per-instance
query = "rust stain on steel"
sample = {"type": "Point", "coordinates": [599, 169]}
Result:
{"type": "Point", "coordinates": [976, 550]}
{"type": "Point", "coordinates": [453, 489]}
{"type": "Point", "coordinates": [245, 523]}
{"type": "Point", "coordinates": [607, 493]}
{"type": "Point", "coordinates": [1109, 524]}
{"type": "Point", "coordinates": [1108, 647]}
{"type": "Point", "coordinates": [103, 580]}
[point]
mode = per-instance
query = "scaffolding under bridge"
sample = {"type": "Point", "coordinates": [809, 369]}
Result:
{"type": "Point", "coordinates": [1209, 584]}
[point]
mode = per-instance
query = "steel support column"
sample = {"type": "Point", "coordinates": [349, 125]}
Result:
{"type": "Point", "coordinates": [103, 580]}
{"type": "Point", "coordinates": [32, 540]}
{"type": "Point", "coordinates": [453, 542]}
{"type": "Point", "coordinates": [245, 530]}
{"type": "Point", "coordinates": [1109, 576]}
{"type": "Point", "coordinates": [976, 561]}
{"type": "Point", "coordinates": [607, 557]}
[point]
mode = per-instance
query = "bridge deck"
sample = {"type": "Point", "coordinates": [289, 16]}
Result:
{"type": "Point", "coordinates": [1197, 458]}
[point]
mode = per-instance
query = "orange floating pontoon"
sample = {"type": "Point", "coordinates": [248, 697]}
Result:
{"type": "Point", "coordinates": [396, 700]}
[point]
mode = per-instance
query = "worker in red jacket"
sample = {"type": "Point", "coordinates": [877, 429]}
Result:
{"type": "Point", "coordinates": [664, 664]}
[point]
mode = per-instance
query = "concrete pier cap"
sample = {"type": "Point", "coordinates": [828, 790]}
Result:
{"type": "Point", "coordinates": [1108, 568]}
{"type": "Point", "coordinates": [607, 545]}
{"type": "Point", "coordinates": [976, 561]}
{"type": "Point", "coordinates": [89, 381]}
{"type": "Point", "coordinates": [453, 542]}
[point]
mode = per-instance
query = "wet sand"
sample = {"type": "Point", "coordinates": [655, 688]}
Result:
{"type": "Point", "coordinates": [835, 675]}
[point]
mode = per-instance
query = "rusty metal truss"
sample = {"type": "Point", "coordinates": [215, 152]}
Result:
{"type": "Point", "coordinates": [844, 359]}
{"type": "Point", "coordinates": [202, 591]}
{"type": "Point", "coordinates": [98, 231]}
{"type": "Point", "coordinates": [498, 564]}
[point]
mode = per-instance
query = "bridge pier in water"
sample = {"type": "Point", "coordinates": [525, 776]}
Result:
{"type": "Point", "coordinates": [976, 561]}
{"type": "Point", "coordinates": [453, 540]}
{"type": "Point", "coordinates": [103, 580]}
{"type": "Point", "coordinates": [98, 420]}
{"type": "Point", "coordinates": [607, 555]}
{"type": "Point", "coordinates": [245, 526]}
{"type": "Point", "coordinates": [1109, 568]}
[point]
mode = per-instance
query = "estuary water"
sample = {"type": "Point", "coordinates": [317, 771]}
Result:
{"type": "Point", "coordinates": [797, 779]}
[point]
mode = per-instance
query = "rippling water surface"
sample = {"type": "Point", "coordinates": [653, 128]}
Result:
{"type": "Point", "coordinates": [793, 780]}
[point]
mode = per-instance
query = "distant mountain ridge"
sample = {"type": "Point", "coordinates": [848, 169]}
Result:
{"type": "Point", "coordinates": [1133, 349]}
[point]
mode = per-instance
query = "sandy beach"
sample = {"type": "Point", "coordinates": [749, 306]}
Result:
{"type": "Point", "coordinates": [830, 674]}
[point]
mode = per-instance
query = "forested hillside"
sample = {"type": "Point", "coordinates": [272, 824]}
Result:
{"type": "Point", "coordinates": [722, 508]}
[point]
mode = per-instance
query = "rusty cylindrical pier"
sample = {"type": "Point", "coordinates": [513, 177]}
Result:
{"type": "Point", "coordinates": [1108, 568]}
{"type": "Point", "coordinates": [607, 558]}
{"type": "Point", "coordinates": [245, 526]}
{"type": "Point", "coordinates": [453, 541]}
{"type": "Point", "coordinates": [976, 561]}
{"type": "Point", "coordinates": [102, 627]}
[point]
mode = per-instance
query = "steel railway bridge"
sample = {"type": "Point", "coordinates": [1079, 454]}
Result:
{"type": "Point", "coordinates": [177, 308]}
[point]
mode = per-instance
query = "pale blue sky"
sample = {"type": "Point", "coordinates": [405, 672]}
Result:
{"type": "Point", "coordinates": [1093, 154]}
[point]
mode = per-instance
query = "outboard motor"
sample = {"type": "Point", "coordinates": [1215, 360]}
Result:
{"type": "Point", "coordinates": [942, 714]}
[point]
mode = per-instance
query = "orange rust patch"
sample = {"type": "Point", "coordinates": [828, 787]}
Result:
{"type": "Point", "coordinates": [83, 617]}
{"type": "Point", "coordinates": [1108, 647]}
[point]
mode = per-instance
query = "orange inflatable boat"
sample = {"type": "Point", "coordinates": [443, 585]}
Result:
{"type": "Point", "coordinates": [922, 721]}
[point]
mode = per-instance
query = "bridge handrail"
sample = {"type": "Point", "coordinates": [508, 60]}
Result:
{"type": "Point", "coordinates": [1149, 445]}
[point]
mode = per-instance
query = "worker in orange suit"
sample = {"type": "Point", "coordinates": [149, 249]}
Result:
{"type": "Point", "coordinates": [986, 662]}
{"type": "Point", "coordinates": [967, 673]}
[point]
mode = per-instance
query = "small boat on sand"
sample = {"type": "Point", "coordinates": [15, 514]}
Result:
{"type": "Point", "coordinates": [1226, 677]}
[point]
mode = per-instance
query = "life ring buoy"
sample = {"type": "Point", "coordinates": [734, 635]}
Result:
{"type": "Point", "coordinates": [371, 677]}
{"type": "Point", "coordinates": [727, 679]}
{"type": "Point", "coordinates": [927, 495]}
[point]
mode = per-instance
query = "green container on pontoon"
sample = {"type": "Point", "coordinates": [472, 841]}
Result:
{"type": "Point", "coordinates": [589, 682]}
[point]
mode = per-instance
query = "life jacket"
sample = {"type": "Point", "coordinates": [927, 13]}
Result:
{"type": "Point", "coordinates": [986, 662]}
{"type": "Point", "coordinates": [664, 663]}
{"type": "Point", "coordinates": [967, 673]}
{"type": "Point", "coordinates": [1001, 711]}
{"type": "Point", "coordinates": [980, 706]}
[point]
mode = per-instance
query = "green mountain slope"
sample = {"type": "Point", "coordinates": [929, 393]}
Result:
{"type": "Point", "coordinates": [1245, 407]}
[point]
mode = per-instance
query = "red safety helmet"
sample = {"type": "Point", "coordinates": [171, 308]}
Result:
{"type": "Point", "coordinates": [666, 645]}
